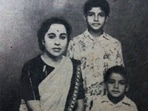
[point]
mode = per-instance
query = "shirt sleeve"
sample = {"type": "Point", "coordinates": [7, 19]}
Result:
{"type": "Point", "coordinates": [74, 50]}
{"type": "Point", "coordinates": [115, 54]}
{"type": "Point", "coordinates": [134, 106]}
{"type": "Point", "coordinates": [119, 55]}
{"type": "Point", "coordinates": [70, 49]}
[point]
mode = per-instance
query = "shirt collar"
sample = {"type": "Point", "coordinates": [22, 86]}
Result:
{"type": "Point", "coordinates": [123, 101]}
{"type": "Point", "coordinates": [88, 34]}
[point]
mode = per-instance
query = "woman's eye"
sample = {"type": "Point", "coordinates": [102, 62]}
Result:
{"type": "Point", "coordinates": [51, 36]}
{"type": "Point", "coordinates": [63, 37]}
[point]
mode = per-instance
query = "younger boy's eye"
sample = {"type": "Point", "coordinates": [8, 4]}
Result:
{"type": "Point", "coordinates": [122, 82]}
{"type": "Point", "coordinates": [51, 36]}
{"type": "Point", "coordinates": [111, 81]}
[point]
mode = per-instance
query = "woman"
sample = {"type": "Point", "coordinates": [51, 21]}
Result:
{"type": "Point", "coordinates": [51, 81]}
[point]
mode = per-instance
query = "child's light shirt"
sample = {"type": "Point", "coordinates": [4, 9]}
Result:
{"type": "Point", "coordinates": [96, 54]}
{"type": "Point", "coordinates": [104, 104]}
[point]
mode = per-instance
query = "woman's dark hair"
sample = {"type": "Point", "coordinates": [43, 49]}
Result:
{"type": "Point", "coordinates": [116, 69]}
{"type": "Point", "coordinates": [45, 27]}
{"type": "Point", "coordinates": [103, 4]}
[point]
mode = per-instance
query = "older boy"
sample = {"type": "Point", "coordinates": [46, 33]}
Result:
{"type": "Point", "coordinates": [116, 83]}
{"type": "Point", "coordinates": [96, 50]}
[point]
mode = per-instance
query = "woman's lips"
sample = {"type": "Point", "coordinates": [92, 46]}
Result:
{"type": "Point", "coordinates": [56, 49]}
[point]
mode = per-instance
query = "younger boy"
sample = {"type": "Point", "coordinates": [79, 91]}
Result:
{"type": "Point", "coordinates": [96, 50]}
{"type": "Point", "coordinates": [116, 84]}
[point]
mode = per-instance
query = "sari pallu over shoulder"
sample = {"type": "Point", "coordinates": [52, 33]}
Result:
{"type": "Point", "coordinates": [54, 88]}
{"type": "Point", "coordinates": [77, 80]}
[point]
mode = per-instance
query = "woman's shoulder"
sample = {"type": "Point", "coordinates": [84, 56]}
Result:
{"type": "Point", "coordinates": [34, 62]}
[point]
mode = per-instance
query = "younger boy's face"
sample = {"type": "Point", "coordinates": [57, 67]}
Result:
{"type": "Point", "coordinates": [95, 19]}
{"type": "Point", "coordinates": [116, 85]}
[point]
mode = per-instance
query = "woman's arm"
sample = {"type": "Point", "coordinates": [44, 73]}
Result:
{"type": "Point", "coordinates": [34, 105]}
{"type": "Point", "coordinates": [29, 87]}
{"type": "Point", "coordinates": [23, 106]}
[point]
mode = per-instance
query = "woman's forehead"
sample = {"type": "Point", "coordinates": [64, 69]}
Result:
{"type": "Point", "coordinates": [57, 28]}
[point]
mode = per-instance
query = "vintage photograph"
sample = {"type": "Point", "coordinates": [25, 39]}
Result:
{"type": "Point", "coordinates": [73, 55]}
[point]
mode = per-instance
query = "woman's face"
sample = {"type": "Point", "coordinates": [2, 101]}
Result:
{"type": "Point", "coordinates": [55, 40]}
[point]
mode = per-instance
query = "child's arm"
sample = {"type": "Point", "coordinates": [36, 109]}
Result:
{"type": "Point", "coordinates": [23, 106]}
{"type": "Point", "coordinates": [80, 105]}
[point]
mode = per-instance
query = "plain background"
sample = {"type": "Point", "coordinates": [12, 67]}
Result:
{"type": "Point", "coordinates": [20, 20]}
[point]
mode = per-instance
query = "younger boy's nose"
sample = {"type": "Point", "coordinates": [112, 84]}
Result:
{"type": "Point", "coordinates": [116, 85]}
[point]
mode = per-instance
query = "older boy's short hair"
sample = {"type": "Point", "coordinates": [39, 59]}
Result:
{"type": "Point", "coordinates": [103, 4]}
{"type": "Point", "coordinates": [116, 69]}
{"type": "Point", "coordinates": [46, 25]}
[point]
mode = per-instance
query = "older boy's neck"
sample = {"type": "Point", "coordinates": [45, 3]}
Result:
{"type": "Point", "coordinates": [95, 33]}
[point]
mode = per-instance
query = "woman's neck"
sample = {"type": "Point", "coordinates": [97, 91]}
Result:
{"type": "Point", "coordinates": [52, 61]}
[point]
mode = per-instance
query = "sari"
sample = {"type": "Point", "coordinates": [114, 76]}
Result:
{"type": "Point", "coordinates": [55, 87]}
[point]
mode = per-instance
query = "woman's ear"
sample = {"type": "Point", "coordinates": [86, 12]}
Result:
{"type": "Point", "coordinates": [84, 17]}
{"type": "Point", "coordinates": [43, 42]}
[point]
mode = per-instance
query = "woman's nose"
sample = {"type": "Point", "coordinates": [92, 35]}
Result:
{"type": "Point", "coordinates": [57, 41]}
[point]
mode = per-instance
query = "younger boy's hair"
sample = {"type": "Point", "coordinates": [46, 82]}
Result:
{"type": "Point", "coordinates": [116, 69]}
{"type": "Point", "coordinates": [103, 4]}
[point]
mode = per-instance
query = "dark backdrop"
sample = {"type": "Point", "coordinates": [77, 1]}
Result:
{"type": "Point", "coordinates": [20, 20]}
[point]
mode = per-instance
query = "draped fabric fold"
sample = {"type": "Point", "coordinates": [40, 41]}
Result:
{"type": "Point", "coordinates": [55, 87]}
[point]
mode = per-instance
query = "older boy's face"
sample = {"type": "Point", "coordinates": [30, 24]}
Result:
{"type": "Point", "coordinates": [95, 19]}
{"type": "Point", "coordinates": [116, 85]}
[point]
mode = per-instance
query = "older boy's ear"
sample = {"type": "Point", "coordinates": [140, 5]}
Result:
{"type": "Point", "coordinates": [84, 17]}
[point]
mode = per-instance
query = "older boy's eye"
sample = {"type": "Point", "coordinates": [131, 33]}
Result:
{"type": "Point", "coordinates": [90, 14]}
{"type": "Point", "coordinates": [51, 36]}
{"type": "Point", "coordinates": [102, 14]}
